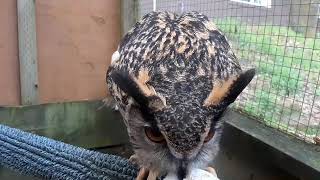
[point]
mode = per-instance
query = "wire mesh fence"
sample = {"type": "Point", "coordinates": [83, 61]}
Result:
{"type": "Point", "coordinates": [281, 39]}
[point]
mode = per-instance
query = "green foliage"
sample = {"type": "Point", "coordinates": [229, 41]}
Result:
{"type": "Point", "coordinates": [282, 45]}
{"type": "Point", "coordinates": [318, 91]}
{"type": "Point", "coordinates": [283, 58]}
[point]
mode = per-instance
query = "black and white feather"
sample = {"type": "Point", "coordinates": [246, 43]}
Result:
{"type": "Point", "coordinates": [175, 74]}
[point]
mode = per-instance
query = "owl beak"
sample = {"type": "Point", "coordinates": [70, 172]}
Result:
{"type": "Point", "coordinates": [182, 169]}
{"type": "Point", "coordinates": [186, 155]}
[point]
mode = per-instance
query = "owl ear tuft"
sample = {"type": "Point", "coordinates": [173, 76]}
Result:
{"type": "Point", "coordinates": [239, 85]}
{"type": "Point", "coordinates": [144, 95]}
{"type": "Point", "coordinates": [226, 92]}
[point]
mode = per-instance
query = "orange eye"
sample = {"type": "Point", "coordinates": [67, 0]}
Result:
{"type": "Point", "coordinates": [154, 135]}
{"type": "Point", "coordinates": [209, 136]}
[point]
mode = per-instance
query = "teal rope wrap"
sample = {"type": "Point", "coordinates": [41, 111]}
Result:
{"type": "Point", "coordinates": [49, 159]}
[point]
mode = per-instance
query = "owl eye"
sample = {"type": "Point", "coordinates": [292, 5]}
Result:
{"type": "Point", "coordinates": [209, 136]}
{"type": "Point", "coordinates": [154, 135]}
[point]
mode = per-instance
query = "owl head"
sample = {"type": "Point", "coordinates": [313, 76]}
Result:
{"type": "Point", "coordinates": [177, 132]}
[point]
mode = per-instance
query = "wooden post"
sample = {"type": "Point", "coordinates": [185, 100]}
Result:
{"type": "Point", "coordinates": [303, 17]}
{"type": "Point", "coordinates": [27, 51]}
{"type": "Point", "coordinates": [128, 15]}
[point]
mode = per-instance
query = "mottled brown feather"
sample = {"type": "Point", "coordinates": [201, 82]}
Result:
{"type": "Point", "coordinates": [219, 91]}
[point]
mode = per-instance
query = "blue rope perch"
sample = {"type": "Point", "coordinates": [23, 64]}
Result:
{"type": "Point", "coordinates": [49, 159]}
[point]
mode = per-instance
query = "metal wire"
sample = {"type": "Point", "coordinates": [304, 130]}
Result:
{"type": "Point", "coordinates": [281, 39]}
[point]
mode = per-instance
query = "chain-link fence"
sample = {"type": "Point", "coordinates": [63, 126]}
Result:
{"type": "Point", "coordinates": [281, 39]}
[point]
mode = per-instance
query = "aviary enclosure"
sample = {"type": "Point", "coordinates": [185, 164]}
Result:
{"type": "Point", "coordinates": [281, 39]}
{"type": "Point", "coordinates": [54, 57]}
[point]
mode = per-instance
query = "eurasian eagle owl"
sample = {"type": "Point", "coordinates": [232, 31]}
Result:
{"type": "Point", "coordinates": [172, 77]}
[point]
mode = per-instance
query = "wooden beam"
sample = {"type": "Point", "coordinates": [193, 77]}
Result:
{"type": "Point", "coordinates": [27, 51]}
{"type": "Point", "coordinates": [86, 123]}
{"type": "Point", "coordinates": [305, 153]}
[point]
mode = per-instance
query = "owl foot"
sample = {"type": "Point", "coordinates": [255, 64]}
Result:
{"type": "Point", "coordinates": [145, 174]}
